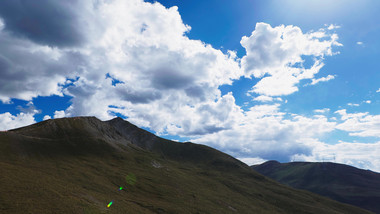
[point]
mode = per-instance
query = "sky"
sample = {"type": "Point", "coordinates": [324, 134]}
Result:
{"type": "Point", "coordinates": [288, 80]}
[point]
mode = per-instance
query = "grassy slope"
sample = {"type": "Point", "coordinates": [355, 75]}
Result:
{"type": "Point", "coordinates": [75, 169]}
{"type": "Point", "coordinates": [337, 181]}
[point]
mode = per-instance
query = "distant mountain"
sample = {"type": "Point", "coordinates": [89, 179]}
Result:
{"type": "Point", "coordinates": [77, 165]}
{"type": "Point", "coordinates": [340, 182]}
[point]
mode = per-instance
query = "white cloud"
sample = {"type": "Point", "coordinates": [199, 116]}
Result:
{"type": "Point", "coordinates": [332, 27]}
{"type": "Point", "coordinates": [268, 133]}
{"type": "Point", "coordinates": [322, 111]}
{"type": "Point", "coordinates": [365, 156]}
{"type": "Point", "coordinates": [163, 75]}
{"type": "Point", "coordinates": [279, 53]}
{"type": "Point", "coordinates": [281, 84]}
{"type": "Point", "coordinates": [252, 161]}
{"type": "Point", "coordinates": [322, 79]}
{"type": "Point", "coordinates": [28, 70]}
{"type": "Point", "coordinates": [263, 98]}
{"type": "Point", "coordinates": [59, 114]}
{"type": "Point", "coordinates": [353, 104]}
{"type": "Point", "coordinates": [368, 101]}
{"type": "Point", "coordinates": [35, 63]}
{"type": "Point", "coordinates": [359, 124]}
{"type": "Point", "coordinates": [46, 117]}
{"type": "Point", "coordinates": [9, 121]}
{"type": "Point", "coordinates": [378, 90]}
{"type": "Point", "coordinates": [359, 43]}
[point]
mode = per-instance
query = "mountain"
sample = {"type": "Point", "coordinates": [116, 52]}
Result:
{"type": "Point", "coordinates": [82, 164]}
{"type": "Point", "coordinates": [340, 182]}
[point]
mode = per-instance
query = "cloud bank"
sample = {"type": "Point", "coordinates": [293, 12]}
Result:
{"type": "Point", "coordinates": [134, 58]}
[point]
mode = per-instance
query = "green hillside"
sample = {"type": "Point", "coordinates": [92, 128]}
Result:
{"type": "Point", "coordinates": [77, 165]}
{"type": "Point", "coordinates": [340, 182]}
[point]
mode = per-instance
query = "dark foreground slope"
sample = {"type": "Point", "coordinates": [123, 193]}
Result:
{"type": "Point", "coordinates": [76, 165]}
{"type": "Point", "coordinates": [337, 181]}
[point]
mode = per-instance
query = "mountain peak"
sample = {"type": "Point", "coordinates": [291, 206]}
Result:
{"type": "Point", "coordinates": [271, 162]}
{"type": "Point", "coordinates": [67, 136]}
{"type": "Point", "coordinates": [62, 127]}
{"type": "Point", "coordinates": [117, 119]}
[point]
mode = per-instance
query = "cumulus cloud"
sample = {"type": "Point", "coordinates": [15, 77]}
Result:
{"type": "Point", "coordinates": [161, 75]}
{"type": "Point", "coordinates": [322, 79]}
{"type": "Point", "coordinates": [46, 117]}
{"type": "Point", "coordinates": [273, 55]}
{"type": "Point", "coordinates": [359, 124]}
{"type": "Point", "coordinates": [57, 23]}
{"type": "Point", "coordinates": [9, 121]}
{"type": "Point", "coordinates": [28, 70]}
{"type": "Point", "coordinates": [140, 45]}
{"type": "Point", "coordinates": [268, 133]}
{"type": "Point", "coordinates": [134, 58]}
{"type": "Point", "coordinates": [365, 156]}
{"type": "Point", "coordinates": [59, 114]}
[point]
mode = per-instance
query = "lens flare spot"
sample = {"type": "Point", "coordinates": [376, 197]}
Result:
{"type": "Point", "coordinates": [130, 179]}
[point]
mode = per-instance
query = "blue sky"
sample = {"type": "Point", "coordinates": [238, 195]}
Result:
{"type": "Point", "coordinates": [260, 80]}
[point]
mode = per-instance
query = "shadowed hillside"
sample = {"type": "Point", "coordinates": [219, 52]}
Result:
{"type": "Point", "coordinates": [337, 181]}
{"type": "Point", "coordinates": [76, 165]}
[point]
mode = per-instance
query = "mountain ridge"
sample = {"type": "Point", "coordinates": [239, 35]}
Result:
{"type": "Point", "coordinates": [340, 182]}
{"type": "Point", "coordinates": [72, 165]}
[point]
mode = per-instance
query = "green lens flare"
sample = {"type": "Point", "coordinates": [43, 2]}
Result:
{"type": "Point", "coordinates": [121, 188]}
{"type": "Point", "coordinates": [130, 179]}
{"type": "Point", "coordinates": [110, 204]}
